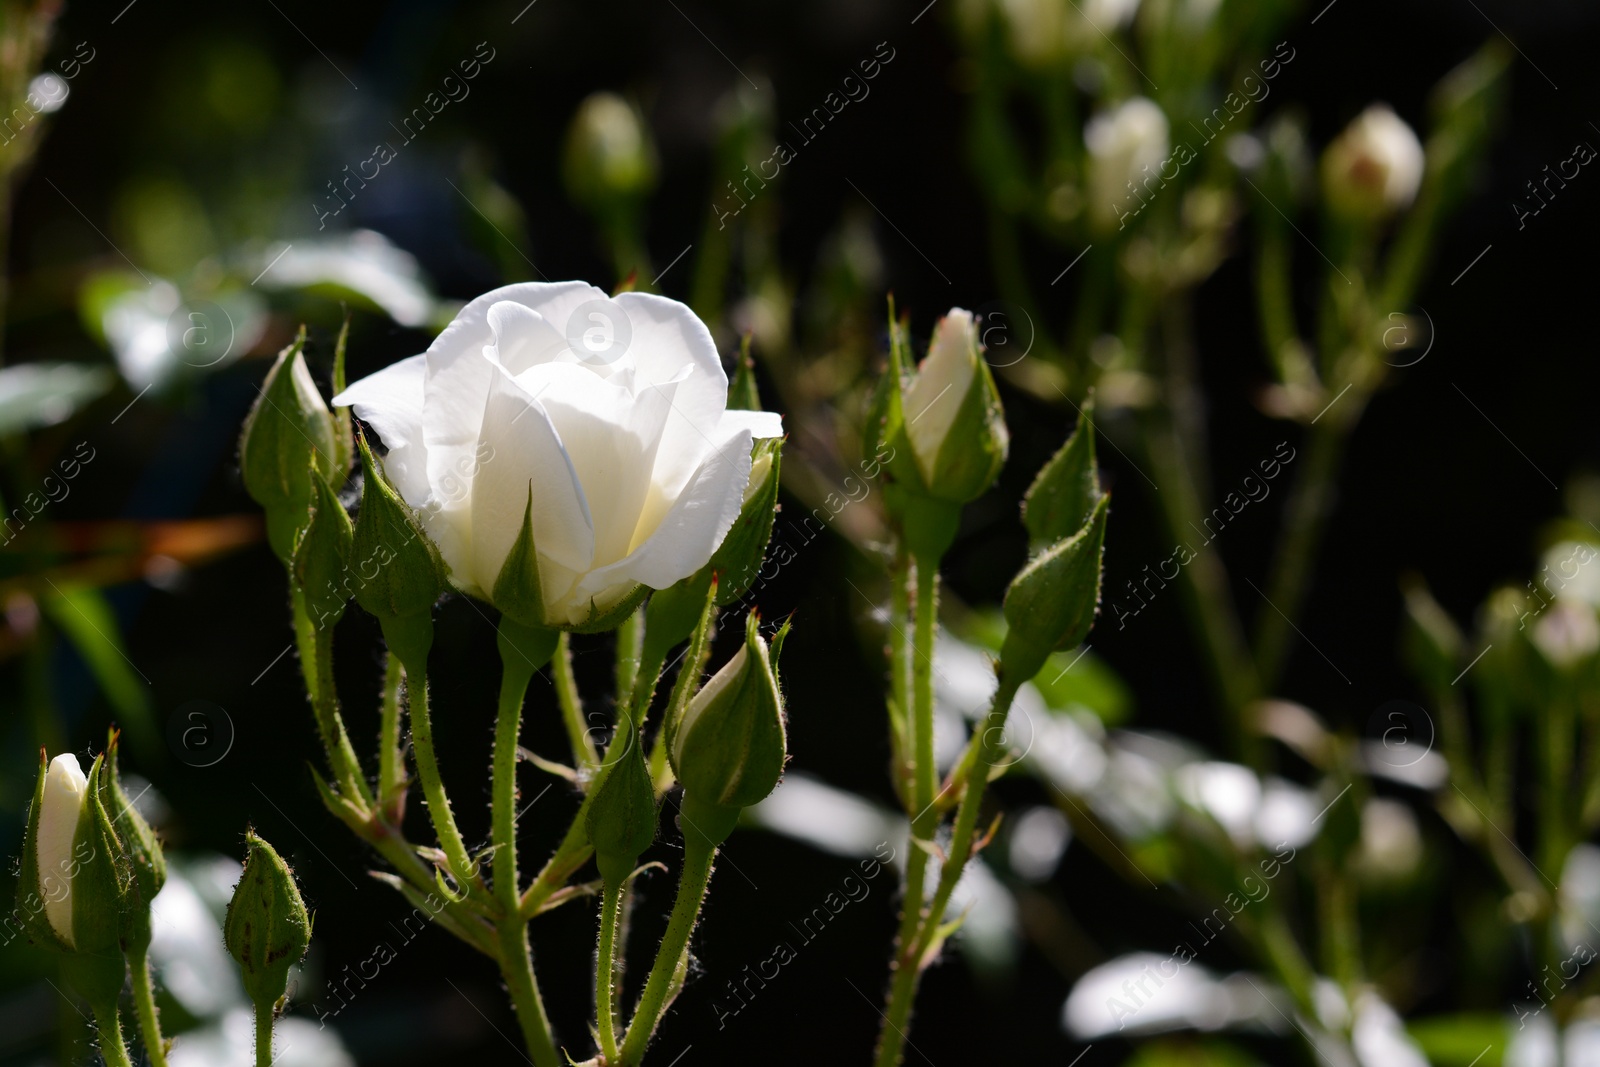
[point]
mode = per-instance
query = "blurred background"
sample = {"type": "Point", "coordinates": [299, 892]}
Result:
{"type": "Point", "coordinates": [181, 199]}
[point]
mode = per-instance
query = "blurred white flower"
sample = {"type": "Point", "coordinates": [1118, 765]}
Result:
{"type": "Point", "coordinates": [1379, 1037]}
{"type": "Point", "coordinates": [833, 820]}
{"type": "Point", "coordinates": [1126, 144]}
{"type": "Point", "coordinates": [1391, 844]}
{"type": "Point", "coordinates": [1567, 633]}
{"type": "Point", "coordinates": [1228, 792]}
{"type": "Point", "coordinates": [1146, 993]}
{"type": "Point", "coordinates": [1039, 838]}
{"type": "Point", "coordinates": [1375, 166]}
{"type": "Point", "coordinates": [186, 947]}
{"type": "Point", "coordinates": [1287, 815]}
{"type": "Point", "coordinates": [1534, 1042]}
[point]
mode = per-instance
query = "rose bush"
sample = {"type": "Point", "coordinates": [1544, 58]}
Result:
{"type": "Point", "coordinates": [612, 412]}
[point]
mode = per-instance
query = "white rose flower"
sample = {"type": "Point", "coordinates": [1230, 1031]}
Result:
{"type": "Point", "coordinates": [613, 410]}
{"type": "Point", "coordinates": [1375, 166]}
{"type": "Point", "coordinates": [1127, 144]}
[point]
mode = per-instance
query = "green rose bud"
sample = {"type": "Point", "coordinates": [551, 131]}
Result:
{"type": "Point", "coordinates": [76, 879]}
{"type": "Point", "coordinates": [730, 748]}
{"type": "Point", "coordinates": [398, 571]}
{"type": "Point", "coordinates": [267, 928]}
{"type": "Point", "coordinates": [952, 414]}
{"type": "Point", "coordinates": [742, 392]}
{"type": "Point", "coordinates": [1374, 168]}
{"type": "Point", "coordinates": [609, 156]}
{"type": "Point", "coordinates": [1067, 489]}
{"type": "Point", "coordinates": [287, 429]}
{"type": "Point", "coordinates": [322, 558]}
{"type": "Point", "coordinates": [1052, 603]}
{"type": "Point", "coordinates": [622, 817]}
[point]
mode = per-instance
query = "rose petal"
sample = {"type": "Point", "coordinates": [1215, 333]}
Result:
{"type": "Point", "coordinates": [390, 401]}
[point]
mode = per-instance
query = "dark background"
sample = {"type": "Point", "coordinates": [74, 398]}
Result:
{"type": "Point", "coordinates": [1430, 484]}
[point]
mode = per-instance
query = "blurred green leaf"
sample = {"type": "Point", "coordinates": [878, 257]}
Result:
{"type": "Point", "coordinates": [1462, 1040]}
{"type": "Point", "coordinates": [86, 618]}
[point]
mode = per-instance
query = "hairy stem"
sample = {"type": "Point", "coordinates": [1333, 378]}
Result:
{"type": "Point", "coordinates": [698, 853]}
{"type": "Point", "coordinates": [316, 662]}
{"type": "Point", "coordinates": [516, 966]}
{"type": "Point", "coordinates": [444, 820]}
{"type": "Point", "coordinates": [605, 971]}
{"type": "Point", "coordinates": [584, 756]}
{"type": "Point", "coordinates": [144, 1001]}
{"type": "Point", "coordinates": [109, 1026]}
{"type": "Point", "coordinates": [391, 760]}
{"type": "Point", "coordinates": [263, 1035]}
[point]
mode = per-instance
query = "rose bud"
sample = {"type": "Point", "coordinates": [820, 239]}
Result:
{"type": "Point", "coordinates": [1374, 167]}
{"type": "Point", "coordinates": [622, 817]}
{"type": "Point", "coordinates": [729, 749]}
{"type": "Point", "coordinates": [1127, 146]}
{"type": "Point", "coordinates": [608, 153]}
{"type": "Point", "coordinates": [397, 569]}
{"type": "Point", "coordinates": [267, 928]}
{"type": "Point", "coordinates": [1052, 602]}
{"type": "Point", "coordinates": [287, 428]}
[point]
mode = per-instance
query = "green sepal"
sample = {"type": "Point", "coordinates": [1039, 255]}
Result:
{"type": "Point", "coordinates": [975, 448]}
{"type": "Point", "coordinates": [343, 436]}
{"type": "Point", "coordinates": [408, 575]}
{"type": "Point", "coordinates": [100, 897]}
{"type": "Point", "coordinates": [600, 622]}
{"type": "Point", "coordinates": [322, 558]}
{"type": "Point", "coordinates": [742, 392]}
{"type": "Point", "coordinates": [1067, 488]}
{"type": "Point", "coordinates": [409, 637]}
{"type": "Point", "coordinates": [885, 412]}
{"type": "Point", "coordinates": [731, 747]}
{"type": "Point", "coordinates": [32, 895]}
{"type": "Point", "coordinates": [1052, 602]}
{"type": "Point", "coordinates": [621, 822]}
{"type": "Point", "coordinates": [737, 560]}
{"type": "Point", "coordinates": [714, 822]}
{"type": "Point", "coordinates": [288, 425]}
{"type": "Point", "coordinates": [146, 861]}
{"type": "Point", "coordinates": [518, 592]}
{"type": "Point", "coordinates": [267, 928]}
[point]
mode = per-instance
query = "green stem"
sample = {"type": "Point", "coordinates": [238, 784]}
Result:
{"type": "Point", "coordinates": [927, 609]}
{"type": "Point", "coordinates": [583, 750]}
{"type": "Point", "coordinates": [516, 673]}
{"type": "Point", "coordinates": [1308, 507]}
{"type": "Point", "coordinates": [316, 663]}
{"type": "Point", "coordinates": [900, 673]}
{"type": "Point", "coordinates": [144, 1000]}
{"type": "Point", "coordinates": [391, 760]}
{"type": "Point", "coordinates": [444, 820]}
{"type": "Point", "coordinates": [516, 966]}
{"type": "Point", "coordinates": [903, 990]}
{"type": "Point", "coordinates": [605, 971]}
{"type": "Point", "coordinates": [698, 853]}
{"type": "Point", "coordinates": [264, 1035]}
{"type": "Point", "coordinates": [109, 1026]}
{"type": "Point", "coordinates": [630, 642]}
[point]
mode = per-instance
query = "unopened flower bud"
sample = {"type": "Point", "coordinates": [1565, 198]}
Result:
{"type": "Point", "coordinates": [953, 417]}
{"type": "Point", "coordinates": [1051, 604]}
{"type": "Point", "coordinates": [622, 817]}
{"type": "Point", "coordinates": [1067, 489]}
{"type": "Point", "coordinates": [398, 571]}
{"type": "Point", "coordinates": [73, 863]}
{"type": "Point", "coordinates": [608, 153]}
{"type": "Point", "coordinates": [730, 748]}
{"type": "Point", "coordinates": [322, 558]}
{"type": "Point", "coordinates": [288, 427]}
{"type": "Point", "coordinates": [1127, 146]}
{"type": "Point", "coordinates": [267, 928]}
{"type": "Point", "coordinates": [1374, 168]}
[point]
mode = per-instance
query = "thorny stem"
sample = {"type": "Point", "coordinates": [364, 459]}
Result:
{"type": "Point", "coordinates": [316, 663]}
{"type": "Point", "coordinates": [109, 1026]}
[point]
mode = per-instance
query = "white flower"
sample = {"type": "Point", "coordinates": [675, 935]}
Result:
{"type": "Point", "coordinates": [65, 789]}
{"type": "Point", "coordinates": [612, 410]}
{"type": "Point", "coordinates": [1375, 166]}
{"type": "Point", "coordinates": [1127, 144]}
